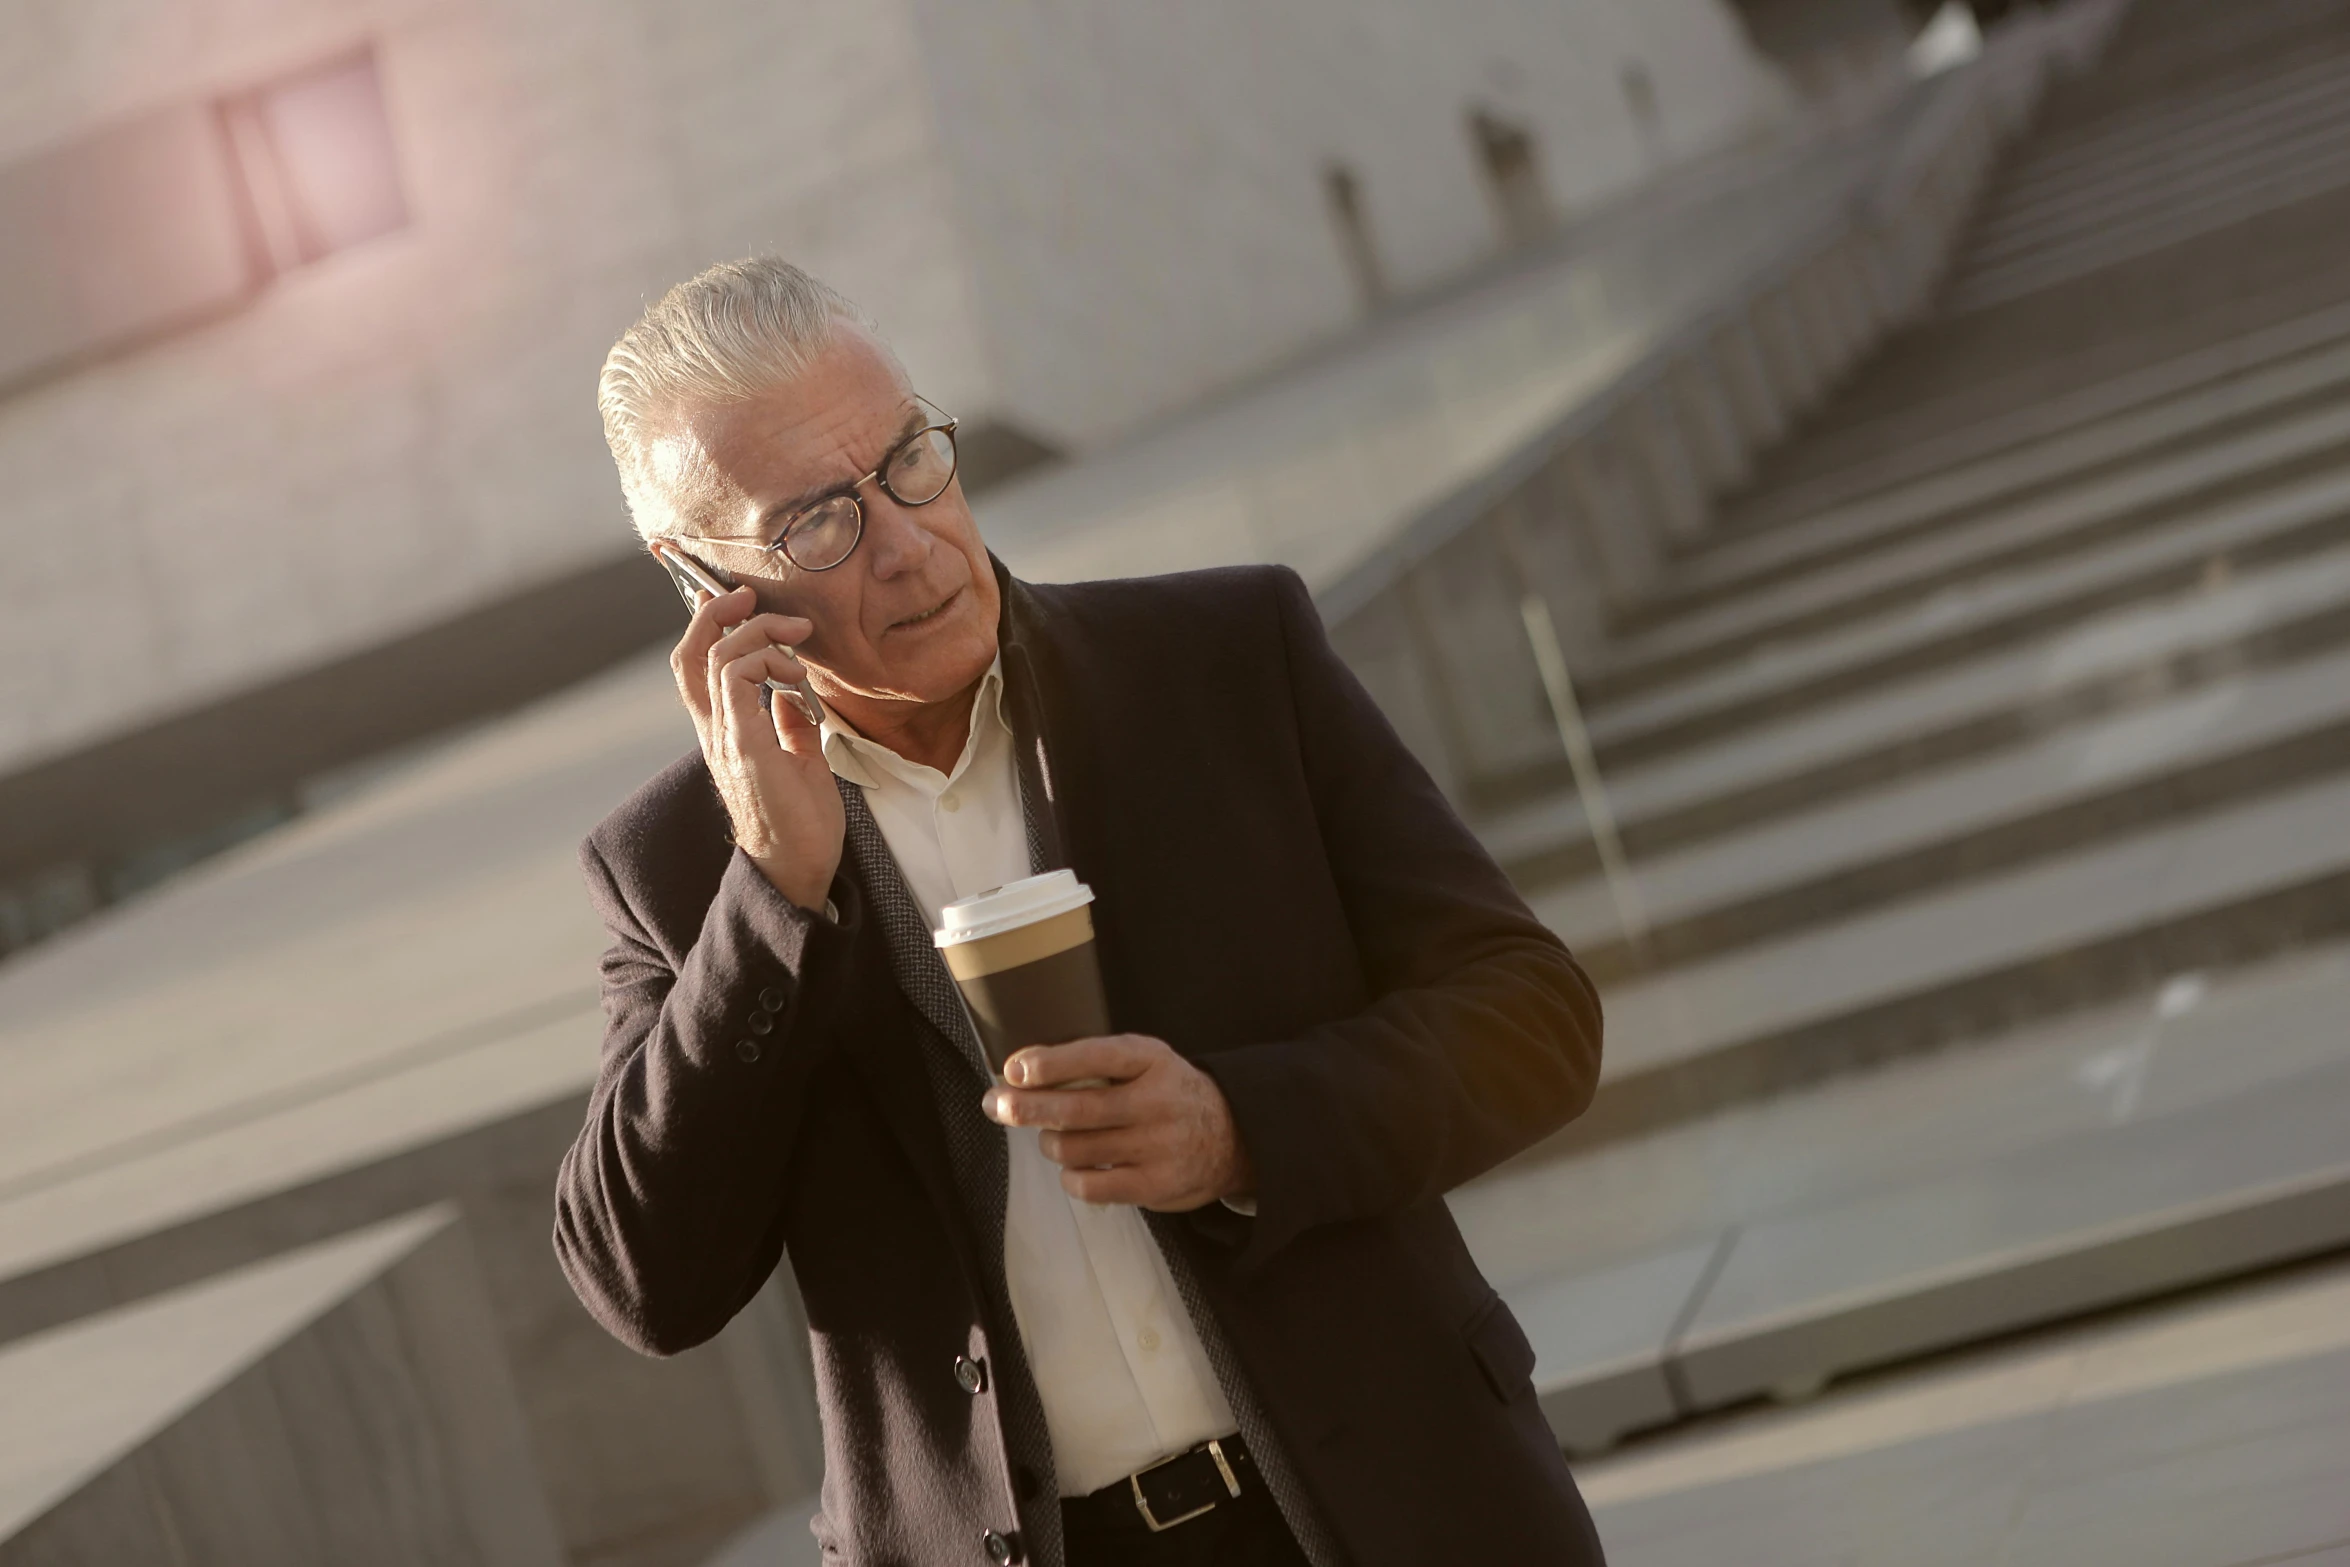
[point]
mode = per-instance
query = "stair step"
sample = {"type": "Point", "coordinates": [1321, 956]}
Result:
{"type": "Point", "coordinates": [1774, 681]}
{"type": "Point", "coordinates": [2178, 1041]}
{"type": "Point", "coordinates": [2253, 191]}
{"type": "Point", "coordinates": [2223, 888]}
{"type": "Point", "coordinates": [2197, 293]}
{"type": "Point", "coordinates": [2023, 471]}
{"type": "Point", "coordinates": [2007, 695]}
{"type": "Point", "coordinates": [1887, 564]}
{"type": "Point", "coordinates": [2152, 63]}
{"type": "Point", "coordinates": [2161, 176]}
{"type": "Point", "coordinates": [2224, 743]}
{"type": "Point", "coordinates": [2098, 1219]}
{"type": "Point", "coordinates": [2245, 100]}
{"type": "Point", "coordinates": [1949, 374]}
{"type": "Point", "coordinates": [2092, 1221]}
{"type": "Point", "coordinates": [2019, 1164]}
{"type": "Point", "coordinates": [2023, 420]}
{"type": "Point", "coordinates": [2036, 424]}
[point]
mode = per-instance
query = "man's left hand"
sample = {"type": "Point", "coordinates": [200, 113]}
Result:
{"type": "Point", "coordinates": [1159, 1136]}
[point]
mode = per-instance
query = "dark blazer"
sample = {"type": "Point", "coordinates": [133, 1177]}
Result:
{"type": "Point", "coordinates": [1282, 895]}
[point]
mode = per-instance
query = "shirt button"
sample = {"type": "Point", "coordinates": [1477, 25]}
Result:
{"type": "Point", "coordinates": [762, 1022]}
{"type": "Point", "coordinates": [950, 802]}
{"type": "Point", "coordinates": [1148, 1338]}
{"type": "Point", "coordinates": [748, 1049]}
{"type": "Point", "coordinates": [772, 999]}
{"type": "Point", "coordinates": [1003, 1550]}
{"type": "Point", "coordinates": [970, 1375]}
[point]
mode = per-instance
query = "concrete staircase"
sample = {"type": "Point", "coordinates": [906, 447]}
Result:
{"type": "Point", "coordinates": [1983, 764]}
{"type": "Point", "coordinates": [1989, 746]}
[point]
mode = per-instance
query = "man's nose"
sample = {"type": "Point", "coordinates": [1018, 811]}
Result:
{"type": "Point", "coordinates": [894, 540]}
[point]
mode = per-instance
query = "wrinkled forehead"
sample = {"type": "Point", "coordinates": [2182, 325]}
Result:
{"type": "Point", "coordinates": [741, 459]}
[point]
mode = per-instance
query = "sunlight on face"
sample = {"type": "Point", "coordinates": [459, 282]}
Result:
{"type": "Point", "coordinates": [910, 616]}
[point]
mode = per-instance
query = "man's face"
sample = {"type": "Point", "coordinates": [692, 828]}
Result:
{"type": "Point", "coordinates": [910, 616]}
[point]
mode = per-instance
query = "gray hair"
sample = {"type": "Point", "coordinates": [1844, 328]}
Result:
{"type": "Point", "coordinates": [737, 330]}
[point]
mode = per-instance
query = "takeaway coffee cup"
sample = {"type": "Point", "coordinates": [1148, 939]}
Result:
{"type": "Point", "coordinates": [1023, 956]}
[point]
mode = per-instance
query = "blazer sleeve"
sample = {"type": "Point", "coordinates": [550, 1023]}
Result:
{"type": "Point", "coordinates": [1484, 1033]}
{"type": "Point", "coordinates": [668, 1210]}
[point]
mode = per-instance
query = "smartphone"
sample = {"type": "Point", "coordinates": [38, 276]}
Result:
{"type": "Point", "coordinates": [694, 584]}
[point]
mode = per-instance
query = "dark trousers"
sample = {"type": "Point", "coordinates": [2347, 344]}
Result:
{"type": "Point", "coordinates": [1243, 1532]}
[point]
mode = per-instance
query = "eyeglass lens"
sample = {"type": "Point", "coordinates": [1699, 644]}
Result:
{"type": "Point", "coordinates": [915, 474]}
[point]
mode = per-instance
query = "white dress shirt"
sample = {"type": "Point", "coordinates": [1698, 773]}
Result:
{"type": "Point", "coordinates": [1114, 1353]}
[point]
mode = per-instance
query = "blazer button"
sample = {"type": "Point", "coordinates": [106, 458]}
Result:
{"type": "Point", "coordinates": [748, 1049]}
{"type": "Point", "coordinates": [1003, 1550]}
{"type": "Point", "coordinates": [762, 1022]}
{"type": "Point", "coordinates": [772, 999]}
{"type": "Point", "coordinates": [970, 1375]}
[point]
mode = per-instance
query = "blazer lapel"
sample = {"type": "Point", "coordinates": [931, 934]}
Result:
{"type": "Point", "coordinates": [1032, 750]}
{"type": "Point", "coordinates": [901, 1080]}
{"type": "Point", "coordinates": [930, 1092]}
{"type": "Point", "coordinates": [913, 959]}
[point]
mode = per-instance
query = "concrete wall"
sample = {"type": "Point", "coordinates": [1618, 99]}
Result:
{"type": "Point", "coordinates": [344, 1403]}
{"type": "Point", "coordinates": [407, 429]}
{"type": "Point", "coordinates": [1140, 188]}
{"type": "Point", "coordinates": [1073, 215]}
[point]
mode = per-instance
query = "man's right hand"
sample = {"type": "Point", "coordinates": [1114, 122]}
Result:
{"type": "Point", "coordinates": [768, 762]}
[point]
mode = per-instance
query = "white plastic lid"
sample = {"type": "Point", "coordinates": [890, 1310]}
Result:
{"type": "Point", "coordinates": [1014, 904]}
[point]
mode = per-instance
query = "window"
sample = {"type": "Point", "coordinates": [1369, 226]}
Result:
{"type": "Point", "coordinates": [154, 223]}
{"type": "Point", "coordinates": [1505, 152]}
{"type": "Point", "coordinates": [1648, 121]}
{"type": "Point", "coordinates": [1356, 247]}
{"type": "Point", "coordinates": [314, 163]}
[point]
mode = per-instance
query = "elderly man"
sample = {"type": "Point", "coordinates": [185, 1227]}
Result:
{"type": "Point", "coordinates": [1212, 1312]}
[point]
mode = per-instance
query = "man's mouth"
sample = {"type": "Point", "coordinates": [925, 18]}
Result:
{"type": "Point", "coordinates": [914, 622]}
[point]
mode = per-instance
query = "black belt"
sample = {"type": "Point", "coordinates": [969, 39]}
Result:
{"type": "Point", "coordinates": [1171, 1491]}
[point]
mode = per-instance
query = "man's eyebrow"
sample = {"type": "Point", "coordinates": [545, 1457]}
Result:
{"type": "Point", "coordinates": [916, 418]}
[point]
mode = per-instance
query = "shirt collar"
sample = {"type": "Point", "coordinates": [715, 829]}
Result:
{"type": "Point", "coordinates": [861, 761]}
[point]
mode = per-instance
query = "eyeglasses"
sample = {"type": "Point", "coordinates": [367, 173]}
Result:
{"type": "Point", "coordinates": [823, 533]}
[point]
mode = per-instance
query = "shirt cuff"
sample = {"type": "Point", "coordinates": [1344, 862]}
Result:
{"type": "Point", "coordinates": [832, 911]}
{"type": "Point", "coordinates": [1246, 1207]}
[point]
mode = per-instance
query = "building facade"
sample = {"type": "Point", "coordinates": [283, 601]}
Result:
{"type": "Point", "coordinates": [307, 299]}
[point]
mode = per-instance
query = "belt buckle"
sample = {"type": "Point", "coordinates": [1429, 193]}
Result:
{"type": "Point", "coordinates": [1142, 1504]}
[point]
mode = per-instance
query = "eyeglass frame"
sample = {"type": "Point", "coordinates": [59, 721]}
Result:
{"type": "Point", "coordinates": [782, 542]}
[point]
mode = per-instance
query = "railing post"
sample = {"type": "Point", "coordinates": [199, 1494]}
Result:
{"type": "Point", "coordinates": [1628, 557]}
{"type": "Point", "coordinates": [1465, 601]}
{"type": "Point", "coordinates": [1558, 540]}
{"type": "Point", "coordinates": [1848, 267]}
{"type": "Point", "coordinates": [1762, 415]}
{"type": "Point", "coordinates": [1822, 326]}
{"type": "Point", "coordinates": [1677, 493]}
{"type": "Point", "coordinates": [1780, 335]}
{"type": "Point", "coordinates": [1697, 384]}
{"type": "Point", "coordinates": [1385, 645]}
